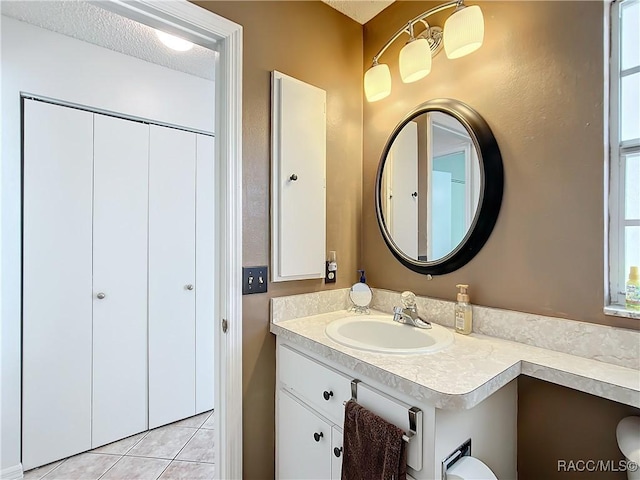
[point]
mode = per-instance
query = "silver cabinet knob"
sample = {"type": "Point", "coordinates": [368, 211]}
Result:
{"type": "Point", "coordinates": [189, 287]}
{"type": "Point", "coordinates": [100, 296]}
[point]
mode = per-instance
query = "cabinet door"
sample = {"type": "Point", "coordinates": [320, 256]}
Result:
{"type": "Point", "coordinates": [56, 295]}
{"type": "Point", "coordinates": [172, 180]}
{"type": "Point", "coordinates": [304, 441]}
{"type": "Point", "coordinates": [298, 176]}
{"type": "Point", "coordinates": [121, 156]}
{"type": "Point", "coordinates": [205, 267]}
{"type": "Point", "coordinates": [336, 451]}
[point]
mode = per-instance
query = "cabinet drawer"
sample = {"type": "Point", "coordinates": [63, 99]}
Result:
{"type": "Point", "coordinates": [321, 387]}
{"type": "Point", "coordinates": [304, 441]}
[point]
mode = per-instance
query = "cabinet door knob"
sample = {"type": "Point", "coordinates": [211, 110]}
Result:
{"type": "Point", "coordinates": [189, 287]}
{"type": "Point", "coordinates": [337, 451]}
{"type": "Point", "coordinates": [414, 194]}
{"type": "Point", "coordinates": [293, 177]}
{"type": "Point", "coordinates": [327, 395]}
{"type": "Point", "coordinates": [317, 436]}
{"type": "Point", "coordinates": [100, 296]}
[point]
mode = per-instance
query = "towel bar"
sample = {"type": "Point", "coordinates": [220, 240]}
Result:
{"type": "Point", "coordinates": [412, 412]}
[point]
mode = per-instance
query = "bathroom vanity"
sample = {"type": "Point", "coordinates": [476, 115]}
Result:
{"type": "Point", "coordinates": [311, 394]}
{"type": "Point", "coordinates": [464, 391]}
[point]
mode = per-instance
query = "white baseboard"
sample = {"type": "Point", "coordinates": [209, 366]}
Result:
{"type": "Point", "coordinates": [11, 473]}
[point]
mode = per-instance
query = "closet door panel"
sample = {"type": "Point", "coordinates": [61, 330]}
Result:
{"type": "Point", "coordinates": [121, 157]}
{"type": "Point", "coordinates": [172, 177]}
{"type": "Point", "coordinates": [205, 266]}
{"type": "Point", "coordinates": [57, 298]}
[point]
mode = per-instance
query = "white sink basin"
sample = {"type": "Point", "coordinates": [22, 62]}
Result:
{"type": "Point", "coordinates": [379, 333]}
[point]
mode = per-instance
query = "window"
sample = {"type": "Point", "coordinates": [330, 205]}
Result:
{"type": "Point", "coordinates": [624, 160]}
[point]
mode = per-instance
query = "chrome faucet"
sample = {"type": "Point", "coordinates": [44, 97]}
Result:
{"type": "Point", "coordinates": [408, 313]}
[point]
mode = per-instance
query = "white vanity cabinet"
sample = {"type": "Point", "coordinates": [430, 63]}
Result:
{"type": "Point", "coordinates": [310, 395]}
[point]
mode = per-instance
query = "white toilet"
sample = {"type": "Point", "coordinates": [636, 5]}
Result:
{"type": "Point", "coordinates": [469, 468]}
{"type": "Point", "coordinates": [628, 434]}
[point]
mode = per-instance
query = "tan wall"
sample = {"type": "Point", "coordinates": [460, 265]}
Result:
{"type": "Point", "coordinates": [538, 82]}
{"type": "Point", "coordinates": [318, 45]}
{"type": "Point", "coordinates": [549, 430]}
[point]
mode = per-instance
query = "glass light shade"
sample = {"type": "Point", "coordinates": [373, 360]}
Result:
{"type": "Point", "coordinates": [175, 43]}
{"type": "Point", "coordinates": [415, 60]}
{"type": "Point", "coordinates": [463, 31]}
{"type": "Point", "coordinates": [377, 82]}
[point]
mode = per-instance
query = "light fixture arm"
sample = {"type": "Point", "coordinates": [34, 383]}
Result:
{"type": "Point", "coordinates": [409, 25]}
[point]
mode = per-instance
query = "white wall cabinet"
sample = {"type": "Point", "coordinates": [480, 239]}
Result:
{"type": "Point", "coordinates": [298, 199]}
{"type": "Point", "coordinates": [110, 230]}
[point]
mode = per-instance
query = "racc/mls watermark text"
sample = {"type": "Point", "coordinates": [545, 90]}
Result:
{"type": "Point", "coordinates": [597, 466]}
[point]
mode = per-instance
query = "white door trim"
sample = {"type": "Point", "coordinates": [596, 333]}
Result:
{"type": "Point", "coordinates": [225, 37]}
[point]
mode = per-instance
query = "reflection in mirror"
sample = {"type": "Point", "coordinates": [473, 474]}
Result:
{"type": "Point", "coordinates": [431, 186]}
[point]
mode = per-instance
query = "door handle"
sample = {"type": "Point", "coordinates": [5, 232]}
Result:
{"type": "Point", "coordinates": [100, 296]}
{"type": "Point", "coordinates": [189, 287]}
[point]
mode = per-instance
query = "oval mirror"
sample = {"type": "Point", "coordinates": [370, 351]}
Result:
{"type": "Point", "coordinates": [439, 187]}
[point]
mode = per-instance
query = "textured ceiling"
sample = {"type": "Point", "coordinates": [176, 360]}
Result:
{"type": "Point", "coordinates": [92, 24]}
{"type": "Point", "coordinates": [360, 10]}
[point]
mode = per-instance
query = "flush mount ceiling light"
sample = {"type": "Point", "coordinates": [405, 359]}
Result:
{"type": "Point", "coordinates": [463, 33]}
{"type": "Point", "coordinates": [175, 43]}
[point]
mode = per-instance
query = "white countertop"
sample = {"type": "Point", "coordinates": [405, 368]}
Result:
{"type": "Point", "coordinates": [468, 371]}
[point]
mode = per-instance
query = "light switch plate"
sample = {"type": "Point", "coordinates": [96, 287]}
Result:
{"type": "Point", "coordinates": [254, 280]}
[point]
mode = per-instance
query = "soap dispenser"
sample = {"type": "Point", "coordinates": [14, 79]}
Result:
{"type": "Point", "coordinates": [463, 312]}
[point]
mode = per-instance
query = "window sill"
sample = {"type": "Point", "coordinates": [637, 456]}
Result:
{"type": "Point", "coordinates": [620, 311]}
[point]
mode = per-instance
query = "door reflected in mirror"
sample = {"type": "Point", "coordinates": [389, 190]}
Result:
{"type": "Point", "coordinates": [431, 184]}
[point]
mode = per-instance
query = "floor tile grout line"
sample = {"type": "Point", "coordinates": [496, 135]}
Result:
{"type": "Point", "coordinates": [187, 443]}
{"type": "Point", "coordinates": [193, 461]}
{"type": "Point", "coordinates": [164, 469]}
{"type": "Point", "coordinates": [108, 469]}
{"type": "Point", "coordinates": [136, 443]}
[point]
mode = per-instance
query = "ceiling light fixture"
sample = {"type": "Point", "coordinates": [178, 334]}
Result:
{"type": "Point", "coordinates": [463, 34]}
{"type": "Point", "coordinates": [173, 42]}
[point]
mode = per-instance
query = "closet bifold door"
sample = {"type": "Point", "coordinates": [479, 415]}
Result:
{"type": "Point", "coordinates": [172, 288]}
{"type": "Point", "coordinates": [205, 267]}
{"type": "Point", "coordinates": [120, 207]}
{"type": "Point", "coordinates": [56, 291]}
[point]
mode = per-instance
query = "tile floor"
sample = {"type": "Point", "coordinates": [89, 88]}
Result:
{"type": "Point", "coordinates": [180, 451]}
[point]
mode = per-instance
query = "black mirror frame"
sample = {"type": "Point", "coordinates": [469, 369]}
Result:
{"type": "Point", "coordinates": [492, 184]}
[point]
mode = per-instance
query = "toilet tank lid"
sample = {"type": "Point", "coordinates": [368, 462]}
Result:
{"type": "Point", "coordinates": [628, 434]}
{"type": "Point", "coordinates": [470, 468]}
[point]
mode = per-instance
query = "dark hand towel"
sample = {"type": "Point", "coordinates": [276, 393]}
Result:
{"type": "Point", "coordinates": [373, 448]}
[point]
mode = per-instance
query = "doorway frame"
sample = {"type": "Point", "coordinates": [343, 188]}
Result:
{"type": "Point", "coordinates": [224, 36]}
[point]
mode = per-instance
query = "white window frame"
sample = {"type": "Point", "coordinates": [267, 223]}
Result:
{"type": "Point", "coordinates": [616, 153]}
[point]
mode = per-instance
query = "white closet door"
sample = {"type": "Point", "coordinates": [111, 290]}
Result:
{"type": "Point", "coordinates": [172, 179]}
{"type": "Point", "coordinates": [121, 158]}
{"type": "Point", "coordinates": [205, 267]}
{"type": "Point", "coordinates": [57, 298]}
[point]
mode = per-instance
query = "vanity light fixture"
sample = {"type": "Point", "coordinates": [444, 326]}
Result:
{"type": "Point", "coordinates": [173, 42]}
{"type": "Point", "coordinates": [463, 33]}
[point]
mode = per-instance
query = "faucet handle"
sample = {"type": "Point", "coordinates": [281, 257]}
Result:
{"type": "Point", "coordinates": [408, 299]}
{"type": "Point", "coordinates": [397, 309]}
